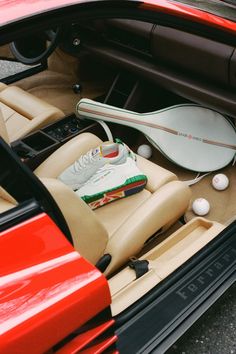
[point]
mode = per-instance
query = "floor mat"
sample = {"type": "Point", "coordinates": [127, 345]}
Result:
{"type": "Point", "coordinates": [223, 203]}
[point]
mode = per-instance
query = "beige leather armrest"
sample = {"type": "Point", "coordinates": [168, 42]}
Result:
{"type": "Point", "coordinates": [26, 104]}
{"type": "Point", "coordinates": [168, 203]}
{"type": "Point", "coordinates": [157, 176]}
{"type": "Point", "coordinates": [89, 235]}
{"type": "Point", "coordinates": [46, 117]}
{"type": "Point", "coordinates": [63, 157]}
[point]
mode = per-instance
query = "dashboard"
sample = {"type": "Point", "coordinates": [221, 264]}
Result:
{"type": "Point", "coordinates": [199, 69]}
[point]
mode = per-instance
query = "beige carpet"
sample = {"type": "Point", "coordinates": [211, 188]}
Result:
{"type": "Point", "coordinates": [223, 203]}
{"type": "Point", "coordinates": [56, 89]}
{"type": "Point", "coordinates": [55, 84]}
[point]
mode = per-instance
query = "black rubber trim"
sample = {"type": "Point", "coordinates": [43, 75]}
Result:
{"type": "Point", "coordinates": [23, 74]}
{"type": "Point", "coordinates": [169, 340]}
{"type": "Point", "coordinates": [163, 315]}
{"type": "Point", "coordinates": [20, 213]}
{"type": "Point", "coordinates": [215, 96]}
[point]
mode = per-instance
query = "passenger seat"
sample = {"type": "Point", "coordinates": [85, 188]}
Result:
{"type": "Point", "coordinates": [24, 113]}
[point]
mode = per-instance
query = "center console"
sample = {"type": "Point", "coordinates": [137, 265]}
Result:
{"type": "Point", "coordinates": [65, 128]}
{"type": "Point", "coordinates": [36, 147]}
{"type": "Point", "coordinates": [33, 149]}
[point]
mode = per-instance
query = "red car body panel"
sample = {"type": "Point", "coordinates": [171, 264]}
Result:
{"type": "Point", "coordinates": [14, 10]}
{"type": "Point", "coordinates": [191, 14]}
{"type": "Point", "coordinates": [47, 288]}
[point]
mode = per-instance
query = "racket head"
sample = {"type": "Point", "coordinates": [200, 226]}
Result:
{"type": "Point", "coordinates": [201, 140]}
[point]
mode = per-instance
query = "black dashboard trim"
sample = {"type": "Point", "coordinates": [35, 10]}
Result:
{"type": "Point", "coordinates": [188, 86]}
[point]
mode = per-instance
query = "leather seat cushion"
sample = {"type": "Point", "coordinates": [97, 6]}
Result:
{"type": "Point", "coordinates": [66, 155]}
{"type": "Point", "coordinates": [157, 176]}
{"type": "Point", "coordinates": [24, 113]}
{"type": "Point", "coordinates": [113, 215]}
{"type": "Point", "coordinates": [24, 103]}
{"type": "Point", "coordinates": [120, 228]}
{"type": "Point", "coordinates": [55, 164]}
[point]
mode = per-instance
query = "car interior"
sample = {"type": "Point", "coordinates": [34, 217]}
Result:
{"type": "Point", "coordinates": [141, 67]}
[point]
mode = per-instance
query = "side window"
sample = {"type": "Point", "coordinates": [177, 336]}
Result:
{"type": "Point", "coordinates": [11, 69]}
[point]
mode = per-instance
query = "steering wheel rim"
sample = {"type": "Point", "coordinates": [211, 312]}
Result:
{"type": "Point", "coordinates": [51, 35]}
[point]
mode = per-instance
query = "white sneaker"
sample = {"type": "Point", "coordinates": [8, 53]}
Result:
{"type": "Point", "coordinates": [112, 182]}
{"type": "Point", "coordinates": [87, 165]}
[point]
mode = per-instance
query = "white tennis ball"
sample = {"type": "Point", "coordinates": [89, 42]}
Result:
{"type": "Point", "coordinates": [201, 206]}
{"type": "Point", "coordinates": [220, 182]}
{"type": "Point", "coordinates": [145, 151]}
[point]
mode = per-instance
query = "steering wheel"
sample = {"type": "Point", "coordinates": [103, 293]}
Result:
{"type": "Point", "coordinates": [36, 48]}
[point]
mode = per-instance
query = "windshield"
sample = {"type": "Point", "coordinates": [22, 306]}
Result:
{"type": "Point", "coordinates": [223, 8]}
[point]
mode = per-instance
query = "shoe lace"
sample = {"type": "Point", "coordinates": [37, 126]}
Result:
{"type": "Point", "coordinates": [84, 161]}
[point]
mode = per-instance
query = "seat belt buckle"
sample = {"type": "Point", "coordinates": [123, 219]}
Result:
{"type": "Point", "coordinates": [140, 267]}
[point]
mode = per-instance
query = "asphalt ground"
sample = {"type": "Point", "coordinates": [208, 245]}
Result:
{"type": "Point", "coordinates": [215, 331]}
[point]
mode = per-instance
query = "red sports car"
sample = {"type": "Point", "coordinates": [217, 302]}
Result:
{"type": "Point", "coordinates": [133, 275]}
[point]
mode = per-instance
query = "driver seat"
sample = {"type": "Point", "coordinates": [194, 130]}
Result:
{"type": "Point", "coordinates": [110, 235]}
{"type": "Point", "coordinates": [24, 113]}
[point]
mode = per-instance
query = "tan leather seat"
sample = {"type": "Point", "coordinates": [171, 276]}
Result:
{"type": "Point", "coordinates": [121, 228]}
{"type": "Point", "coordinates": [23, 113]}
{"type": "Point", "coordinates": [6, 201]}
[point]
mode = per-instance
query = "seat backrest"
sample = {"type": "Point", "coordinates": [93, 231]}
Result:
{"type": "Point", "coordinates": [3, 129]}
{"type": "Point", "coordinates": [6, 201]}
{"type": "Point", "coordinates": [89, 235]}
{"type": "Point", "coordinates": [24, 112]}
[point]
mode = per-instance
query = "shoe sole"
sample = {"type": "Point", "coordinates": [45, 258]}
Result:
{"type": "Point", "coordinates": [131, 186]}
